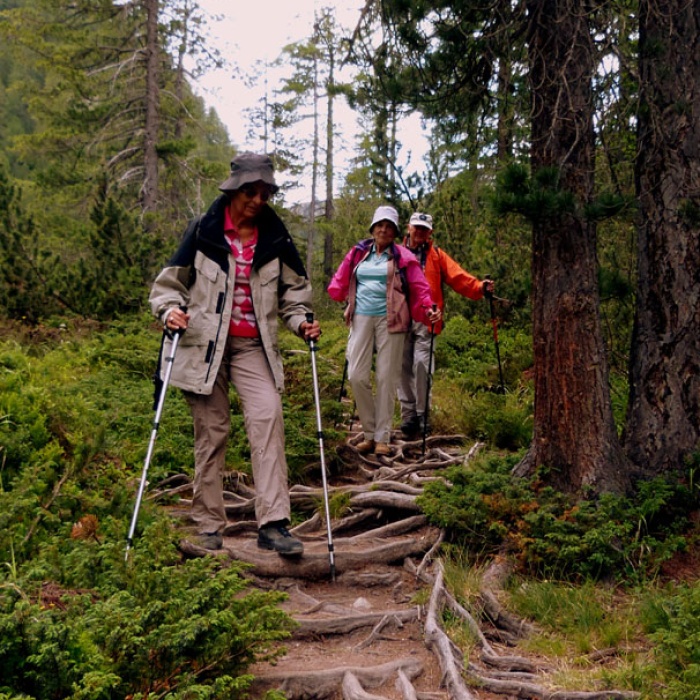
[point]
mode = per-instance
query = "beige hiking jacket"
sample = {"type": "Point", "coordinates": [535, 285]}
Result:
{"type": "Point", "coordinates": [200, 276]}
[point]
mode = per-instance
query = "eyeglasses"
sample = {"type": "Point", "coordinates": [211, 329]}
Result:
{"type": "Point", "coordinates": [252, 191]}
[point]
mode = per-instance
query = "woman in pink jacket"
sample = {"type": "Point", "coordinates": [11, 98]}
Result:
{"type": "Point", "coordinates": [385, 289]}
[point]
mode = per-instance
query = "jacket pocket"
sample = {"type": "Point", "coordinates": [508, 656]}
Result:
{"type": "Point", "coordinates": [270, 273]}
{"type": "Point", "coordinates": [207, 267]}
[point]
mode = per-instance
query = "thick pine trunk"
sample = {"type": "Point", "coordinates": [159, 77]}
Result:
{"type": "Point", "coordinates": [663, 421]}
{"type": "Point", "coordinates": [574, 432]}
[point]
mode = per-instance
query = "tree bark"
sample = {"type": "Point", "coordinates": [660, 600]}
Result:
{"type": "Point", "coordinates": [330, 206]}
{"type": "Point", "coordinates": [310, 241]}
{"type": "Point", "coordinates": [663, 419]}
{"type": "Point", "coordinates": [150, 154]}
{"type": "Point", "coordinates": [574, 438]}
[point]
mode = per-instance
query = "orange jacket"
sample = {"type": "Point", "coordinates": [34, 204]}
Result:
{"type": "Point", "coordinates": [441, 269]}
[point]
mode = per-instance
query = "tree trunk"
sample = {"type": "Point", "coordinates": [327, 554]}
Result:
{"type": "Point", "coordinates": [663, 420]}
{"type": "Point", "coordinates": [504, 146]}
{"type": "Point", "coordinates": [180, 73]}
{"type": "Point", "coordinates": [314, 174]}
{"type": "Point", "coordinates": [150, 155]}
{"type": "Point", "coordinates": [330, 210]}
{"type": "Point", "coordinates": [574, 433]}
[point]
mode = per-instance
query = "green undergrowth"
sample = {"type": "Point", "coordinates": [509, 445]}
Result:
{"type": "Point", "coordinates": [553, 535]}
{"type": "Point", "coordinates": [468, 397]}
{"type": "Point", "coordinates": [598, 578]}
{"type": "Point", "coordinates": [593, 635]}
{"type": "Point", "coordinates": [79, 620]}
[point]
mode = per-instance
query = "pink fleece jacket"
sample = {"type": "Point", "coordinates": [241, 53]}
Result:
{"type": "Point", "coordinates": [404, 276]}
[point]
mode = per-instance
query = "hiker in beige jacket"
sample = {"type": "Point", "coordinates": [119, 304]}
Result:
{"type": "Point", "coordinates": [235, 273]}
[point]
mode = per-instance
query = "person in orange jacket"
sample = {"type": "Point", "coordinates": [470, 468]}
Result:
{"type": "Point", "coordinates": [439, 269]}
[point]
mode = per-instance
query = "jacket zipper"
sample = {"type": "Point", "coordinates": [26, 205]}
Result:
{"type": "Point", "coordinates": [219, 303]}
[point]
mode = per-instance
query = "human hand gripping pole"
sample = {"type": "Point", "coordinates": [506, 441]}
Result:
{"type": "Point", "coordinates": [317, 401]}
{"type": "Point", "coordinates": [176, 335]}
{"type": "Point", "coordinates": [494, 323]}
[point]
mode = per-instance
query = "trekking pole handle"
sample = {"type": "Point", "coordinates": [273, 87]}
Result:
{"type": "Point", "coordinates": [310, 319]}
{"type": "Point", "coordinates": [487, 292]}
{"type": "Point", "coordinates": [432, 323]}
{"type": "Point", "coordinates": [177, 331]}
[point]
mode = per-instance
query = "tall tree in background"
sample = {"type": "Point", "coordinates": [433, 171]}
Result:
{"type": "Point", "coordinates": [460, 64]}
{"type": "Point", "coordinates": [151, 50]}
{"type": "Point", "coordinates": [304, 88]}
{"type": "Point", "coordinates": [663, 422]}
{"type": "Point", "coordinates": [328, 40]}
{"type": "Point", "coordinates": [189, 140]}
{"type": "Point", "coordinates": [574, 438]}
{"type": "Point", "coordinates": [314, 78]}
{"type": "Point", "coordinates": [380, 98]}
{"type": "Point", "coordinates": [101, 96]}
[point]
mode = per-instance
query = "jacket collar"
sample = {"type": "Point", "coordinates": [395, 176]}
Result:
{"type": "Point", "coordinates": [272, 234]}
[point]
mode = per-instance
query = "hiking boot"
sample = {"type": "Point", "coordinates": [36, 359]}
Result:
{"type": "Point", "coordinates": [382, 449]}
{"type": "Point", "coordinates": [411, 426]}
{"type": "Point", "coordinates": [208, 540]}
{"type": "Point", "coordinates": [276, 537]}
{"type": "Point", "coordinates": [365, 447]}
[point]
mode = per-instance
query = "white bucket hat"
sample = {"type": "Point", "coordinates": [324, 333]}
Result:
{"type": "Point", "coordinates": [385, 213]}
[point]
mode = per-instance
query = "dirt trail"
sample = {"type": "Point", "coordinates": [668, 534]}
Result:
{"type": "Point", "coordinates": [374, 632]}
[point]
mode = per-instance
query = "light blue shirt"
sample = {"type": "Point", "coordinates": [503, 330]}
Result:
{"type": "Point", "coordinates": [371, 284]}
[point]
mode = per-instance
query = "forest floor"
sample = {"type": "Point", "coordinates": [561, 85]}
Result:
{"type": "Point", "coordinates": [373, 630]}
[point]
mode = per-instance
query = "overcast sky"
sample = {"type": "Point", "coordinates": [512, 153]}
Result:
{"type": "Point", "coordinates": [257, 30]}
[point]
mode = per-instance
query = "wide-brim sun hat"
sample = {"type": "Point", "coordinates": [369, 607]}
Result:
{"type": "Point", "coordinates": [247, 168]}
{"type": "Point", "coordinates": [385, 213]}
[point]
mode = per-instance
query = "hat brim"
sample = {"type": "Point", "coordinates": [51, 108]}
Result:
{"type": "Point", "coordinates": [237, 180]}
{"type": "Point", "coordinates": [379, 221]}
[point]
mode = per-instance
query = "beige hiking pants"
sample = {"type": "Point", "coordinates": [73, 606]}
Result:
{"type": "Point", "coordinates": [245, 366]}
{"type": "Point", "coordinates": [413, 387]}
{"type": "Point", "coordinates": [368, 333]}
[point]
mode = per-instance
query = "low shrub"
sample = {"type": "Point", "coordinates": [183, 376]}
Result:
{"type": "Point", "coordinates": [555, 535]}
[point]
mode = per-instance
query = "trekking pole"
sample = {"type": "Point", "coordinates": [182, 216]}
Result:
{"type": "Point", "coordinates": [156, 422]}
{"type": "Point", "coordinates": [426, 411]}
{"type": "Point", "coordinates": [341, 394]}
{"type": "Point", "coordinates": [494, 324]}
{"type": "Point", "coordinates": [317, 401]}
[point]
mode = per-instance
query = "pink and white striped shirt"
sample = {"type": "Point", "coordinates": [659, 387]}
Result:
{"type": "Point", "coordinates": [243, 323]}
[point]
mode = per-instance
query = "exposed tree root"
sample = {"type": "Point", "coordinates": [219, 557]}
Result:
{"type": "Point", "coordinates": [523, 689]}
{"type": "Point", "coordinates": [493, 579]}
{"type": "Point", "coordinates": [441, 645]}
{"type": "Point", "coordinates": [404, 685]}
{"type": "Point", "coordinates": [353, 690]}
{"type": "Point", "coordinates": [325, 683]}
{"type": "Point", "coordinates": [314, 564]}
{"type": "Point", "coordinates": [383, 526]}
{"type": "Point", "coordinates": [349, 623]}
{"type": "Point", "coordinates": [377, 632]}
